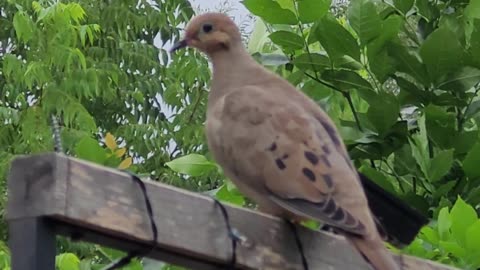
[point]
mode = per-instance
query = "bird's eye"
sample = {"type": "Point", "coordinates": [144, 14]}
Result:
{"type": "Point", "coordinates": [207, 28]}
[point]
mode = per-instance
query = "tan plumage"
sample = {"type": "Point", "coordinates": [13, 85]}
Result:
{"type": "Point", "coordinates": [277, 145]}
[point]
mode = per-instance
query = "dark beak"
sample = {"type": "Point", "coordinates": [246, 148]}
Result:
{"type": "Point", "coordinates": [179, 45]}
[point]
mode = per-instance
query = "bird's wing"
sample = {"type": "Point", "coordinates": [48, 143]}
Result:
{"type": "Point", "coordinates": [297, 155]}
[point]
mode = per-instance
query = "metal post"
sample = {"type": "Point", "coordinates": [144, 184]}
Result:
{"type": "Point", "coordinates": [32, 244]}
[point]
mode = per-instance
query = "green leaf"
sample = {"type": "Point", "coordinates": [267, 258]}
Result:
{"type": "Point", "coordinates": [474, 49]}
{"type": "Point", "coordinates": [287, 4]}
{"type": "Point", "coordinates": [315, 90]}
{"type": "Point", "coordinates": [411, 88]}
{"type": "Point", "coordinates": [419, 146]}
{"type": "Point", "coordinates": [473, 109]}
{"type": "Point", "coordinates": [403, 5]}
{"type": "Point", "coordinates": [408, 63]}
{"type": "Point", "coordinates": [67, 261]}
{"type": "Point", "coordinates": [258, 37]}
{"type": "Point", "coordinates": [460, 80]}
{"type": "Point", "coordinates": [382, 65]}
{"type": "Point", "coordinates": [76, 11]}
{"type": "Point", "coordinates": [229, 195]}
{"type": "Point", "coordinates": [312, 61]}
{"type": "Point", "coordinates": [444, 189]}
{"type": "Point", "coordinates": [12, 66]}
{"type": "Point", "coordinates": [346, 80]}
{"type": "Point", "coordinates": [473, 238]}
{"type": "Point", "coordinates": [192, 164]}
{"type": "Point", "coordinates": [443, 59]}
{"type": "Point", "coordinates": [83, 33]}
{"type": "Point", "coordinates": [440, 165]}
{"type": "Point", "coordinates": [441, 125]}
{"type": "Point", "coordinates": [427, 9]}
{"type": "Point", "coordinates": [403, 162]}
{"type": "Point", "coordinates": [471, 14]}
{"type": "Point", "coordinates": [90, 149]}
{"type": "Point", "coordinates": [464, 141]}
{"type": "Point", "coordinates": [471, 162]}
{"type": "Point", "coordinates": [23, 26]}
{"type": "Point", "coordinates": [453, 247]}
{"type": "Point", "coordinates": [335, 39]}
{"type": "Point", "coordinates": [287, 40]}
{"type": "Point", "coordinates": [430, 235]}
{"type": "Point", "coordinates": [444, 223]}
{"type": "Point", "coordinates": [462, 216]}
{"type": "Point", "coordinates": [364, 19]}
{"type": "Point", "coordinates": [271, 59]}
{"type": "Point", "coordinates": [312, 10]}
{"type": "Point", "coordinates": [270, 11]}
{"type": "Point", "coordinates": [380, 62]}
{"type": "Point", "coordinates": [347, 62]}
{"type": "Point", "coordinates": [383, 111]}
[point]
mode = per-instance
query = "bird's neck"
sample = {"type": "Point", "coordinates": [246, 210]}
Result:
{"type": "Point", "coordinates": [232, 69]}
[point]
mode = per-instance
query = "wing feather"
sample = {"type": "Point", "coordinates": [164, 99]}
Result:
{"type": "Point", "coordinates": [298, 156]}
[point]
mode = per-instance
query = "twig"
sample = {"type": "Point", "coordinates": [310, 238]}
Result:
{"type": "Point", "coordinates": [344, 93]}
{"type": "Point", "coordinates": [333, 87]}
{"type": "Point", "coordinates": [397, 177]}
{"type": "Point", "coordinates": [195, 107]}
{"type": "Point", "coordinates": [354, 112]}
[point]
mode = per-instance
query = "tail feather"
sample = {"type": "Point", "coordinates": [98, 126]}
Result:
{"type": "Point", "coordinates": [375, 253]}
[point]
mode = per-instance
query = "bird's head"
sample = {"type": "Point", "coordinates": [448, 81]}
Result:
{"type": "Point", "coordinates": [210, 33]}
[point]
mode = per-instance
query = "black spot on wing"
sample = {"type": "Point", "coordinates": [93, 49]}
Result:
{"type": "Point", "coordinates": [309, 174]}
{"type": "Point", "coordinates": [310, 156]}
{"type": "Point", "coordinates": [280, 164]}
{"type": "Point", "coordinates": [328, 180]}
{"type": "Point", "coordinates": [326, 149]}
{"type": "Point", "coordinates": [331, 132]}
{"type": "Point", "coordinates": [272, 147]}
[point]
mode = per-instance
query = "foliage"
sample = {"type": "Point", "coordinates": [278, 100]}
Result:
{"type": "Point", "coordinates": [452, 239]}
{"type": "Point", "coordinates": [401, 80]}
{"type": "Point", "coordinates": [101, 69]}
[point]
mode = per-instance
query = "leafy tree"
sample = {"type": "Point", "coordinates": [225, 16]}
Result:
{"type": "Point", "coordinates": [101, 69]}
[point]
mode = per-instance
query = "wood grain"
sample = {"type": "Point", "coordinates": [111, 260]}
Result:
{"type": "Point", "coordinates": [105, 206]}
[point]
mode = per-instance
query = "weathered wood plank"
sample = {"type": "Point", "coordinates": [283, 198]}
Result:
{"type": "Point", "coordinates": [105, 206]}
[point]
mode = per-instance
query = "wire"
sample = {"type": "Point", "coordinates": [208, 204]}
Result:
{"type": "Point", "coordinates": [231, 234]}
{"type": "Point", "coordinates": [132, 254]}
{"type": "Point", "coordinates": [299, 244]}
{"type": "Point", "coordinates": [139, 253]}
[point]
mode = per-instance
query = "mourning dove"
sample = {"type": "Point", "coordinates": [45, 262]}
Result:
{"type": "Point", "coordinates": [277, 146]}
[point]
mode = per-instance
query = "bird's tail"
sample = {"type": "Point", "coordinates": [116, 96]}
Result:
{"type": "Point", "coordinates": [375, 252]}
